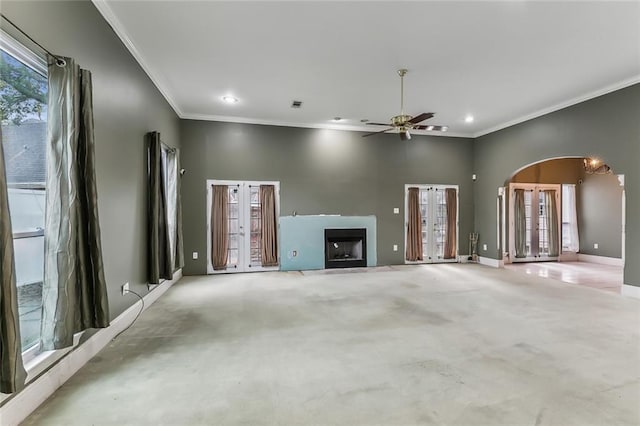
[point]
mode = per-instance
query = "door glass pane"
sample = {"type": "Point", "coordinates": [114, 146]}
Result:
{"type": "Point", "coordinates": [232, 259]}
{"type": "Point", "coordinates": [440, 223]}
{"type": "Point", "coordinates": [233, 226]}
{"type": "Point", "coordinates": [23, 102]}
{"type": "Point", "coordinates": [543, 237]}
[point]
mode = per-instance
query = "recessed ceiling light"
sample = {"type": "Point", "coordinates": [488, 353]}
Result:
{"type": "Point", "coordinates": [337, 118]}
{"type": "Point", "coordinates": [230, 99]}
{"type": "Point", "coordinates": [364, 120]}
{"type": "Point", "coordinates": [469, 119]}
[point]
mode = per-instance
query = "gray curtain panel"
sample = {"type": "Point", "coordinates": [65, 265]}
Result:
{"type": "Point", "coordinates": [12, 373]}
{"type": "Point", "coordinates": [74, 293]}
{"type": "Point", "coordinates": [269, 228]}
{"type": "Point", "coordinates": [452, 222]}
{"type": "Point", "coordinates": [551, 213]}
{"type": "Point", "coordinates": [520, 220]}
{"type": "Point", "coordinates": [219, 226]}
{"type": "Point", "coordinates": [414, 226]}
{"type": "Point", "coordinates": [159, 251]}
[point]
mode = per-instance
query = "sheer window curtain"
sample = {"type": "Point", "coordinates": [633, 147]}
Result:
{"type": "Point", "coordinates": [572, 217]}
{"type": "Point", "coordinates": [159, 250]}
{"type": "Point", "coordinates": [12, 373]}
{"type": "Point", "coordinates": [551, 214]}
{"type": "Point", "coordinates": [520, 221]}
{"type": "Point", "coordinates": [74, 293]}
{"type": "Point", "coordinates": [174, 207]}
{"type": "Point", "coordinates": [414, 226]}
{"type": "Point", "coordinates": [269, 226]}
{"type": "Point", "coordinates": [219, 226]}
{"type": "Point", "coordinates": [452, 221]}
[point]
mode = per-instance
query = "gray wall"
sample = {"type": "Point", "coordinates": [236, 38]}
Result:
{"type": "Point", "coordinates": [321, 172]}
{"type": "Point", "coordinates": [599, 199]}
{"type": "Point", "coordinates": [126, 106]}
{"type": "Point", "coordinates": [606, 127]}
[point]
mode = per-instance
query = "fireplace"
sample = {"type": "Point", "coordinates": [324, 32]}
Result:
{"type": "Point", "coordinates": [345, 248]}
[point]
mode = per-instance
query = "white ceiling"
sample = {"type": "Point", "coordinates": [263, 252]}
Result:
{"type": "Point", "coordinates": [503, 62]}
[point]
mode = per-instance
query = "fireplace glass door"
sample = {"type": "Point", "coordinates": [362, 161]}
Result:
{"type": "Point", "coordinates": [244, 226]}
{"type": "Point", "coordinates": [435, 214]}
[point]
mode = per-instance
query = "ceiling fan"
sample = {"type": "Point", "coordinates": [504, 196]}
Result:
{"type": "Point", "coordinates": [403, 123]}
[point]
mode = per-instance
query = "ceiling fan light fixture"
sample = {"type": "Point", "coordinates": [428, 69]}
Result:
{"type": "Point", "coordinates": [445, 128]}
{"type": "Point", "coordinates": [429, 128]}
{"type": "Point", "coordinates": [407, 134]}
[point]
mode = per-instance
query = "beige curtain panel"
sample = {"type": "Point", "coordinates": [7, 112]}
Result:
{"type": "Point", "coordinates": [551, 213]}
{"type": "Point", "coordinates": [74, 293]}
{"type": "Point", "coordinates": [269, 228]}
{"type": "Point", "coordinates": [452, 221]}
{"type": "Point", "coordinates": [219, 226]}
{"type": "Point", "coordinates": [159, 249]}
{"type": "Point", "coordinates": [12, 373]}
{"type": "Point", "coordinates": [414, 226]}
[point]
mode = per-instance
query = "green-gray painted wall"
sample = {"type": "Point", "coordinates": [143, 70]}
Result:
{"type": "Point", "coordinates": [126, 106]}
{"type": "Point", "coordinates": [321, 172]}
{"type": "Point", "coordinates": [599, 200]}
{"type": "Point", "coordinates": [606, 127]}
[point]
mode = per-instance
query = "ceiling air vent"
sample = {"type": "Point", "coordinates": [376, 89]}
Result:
{"type": "Point", "coordinates": [296, 104]}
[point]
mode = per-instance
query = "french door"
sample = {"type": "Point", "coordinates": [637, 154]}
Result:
{"type": "Point", "coordinates": [534, 222]}
{"type": "Point", "coordinates": [438, 215]}
{"type": "Point", "coordinates": [244, 226]}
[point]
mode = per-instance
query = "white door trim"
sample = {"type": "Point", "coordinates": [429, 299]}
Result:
{"type": "Point", "coordinates": [241, 214]}
{"type": "Point", "coordinates": [406, 219]}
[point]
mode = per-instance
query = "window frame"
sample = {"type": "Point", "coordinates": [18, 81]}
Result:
{"type": "Point", "coordinates": [34, 58]}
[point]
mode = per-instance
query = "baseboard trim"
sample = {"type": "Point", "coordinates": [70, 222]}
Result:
{"type": "Point", "coordinates": [630, 291]}
{"type": "Point", "coordinates": [19, 406]}
{"type": "Point", "coordinates": [601, 260]}
{"type": "Point", "coordinates": [487, 261]}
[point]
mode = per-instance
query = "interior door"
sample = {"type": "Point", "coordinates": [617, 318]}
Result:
{"type": "Point", "coordinates": [435, 226]}
{"type": "Point", "coordinates": [537, 236]}
{"type": "Point", "coordinates": [244, 251]}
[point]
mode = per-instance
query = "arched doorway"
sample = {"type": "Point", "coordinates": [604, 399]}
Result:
{"type": "Point", "coordinates": [562, 210]}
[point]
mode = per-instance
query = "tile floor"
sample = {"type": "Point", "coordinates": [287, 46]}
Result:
{"type": "Point", "coordinates": [602, 277]}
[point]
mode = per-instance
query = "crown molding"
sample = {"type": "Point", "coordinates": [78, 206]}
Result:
{"type": "Point", "coordinates": [591, 95]}
{"type": "Point", "coordinates": [106, 12]}
{"type": "Point", "coordinates": [327, 126]}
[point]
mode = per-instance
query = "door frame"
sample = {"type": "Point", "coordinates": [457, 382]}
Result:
{"type": "Point", "coordinates": [512, 238]}
{"type": "Point", "coordinates": [247, 241]}
{"type": "Point", "coordinates": [406, 219]}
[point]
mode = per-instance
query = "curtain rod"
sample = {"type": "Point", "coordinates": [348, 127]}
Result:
{"type": "Point", "coordinates": [60, 61]}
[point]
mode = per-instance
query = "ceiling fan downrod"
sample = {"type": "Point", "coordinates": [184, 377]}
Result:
{"type": "Point", "coordinates": [401, 73]}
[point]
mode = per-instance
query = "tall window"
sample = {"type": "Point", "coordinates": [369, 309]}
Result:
{"type": "Point", "coordinates": [23, 109]}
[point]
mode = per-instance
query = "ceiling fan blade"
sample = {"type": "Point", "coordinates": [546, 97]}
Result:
{"type": "Point", "coordinates": [378, 124]}
{"type": "Point", "coordinates": [431, 128]}
{"type": "Point", "coordinates": [375, 133]}
{"type": "Point", "coordinates": [421, 117]}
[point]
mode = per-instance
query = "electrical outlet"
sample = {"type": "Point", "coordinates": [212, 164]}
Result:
{"type": "Point", "coordinates": [294, 253]}
{"type": "Point", "coordinates": [596, 246]}
{"type": "Point", "coordinates": [194, 255]}
{"type": "Point", "coordinates": [484, 247]}
{"type": "Point", "coordinates": [125, 288]}
{"type": "Point", "coordinates": [395, 247]}
{"type": "Point", "coordinates": [396, 210]}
